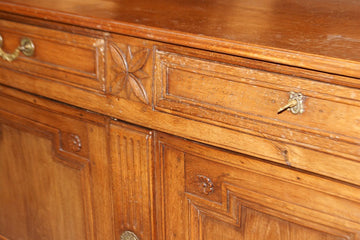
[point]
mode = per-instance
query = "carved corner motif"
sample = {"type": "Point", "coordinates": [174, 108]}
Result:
{"type": "Point", "coordinates": [75, 143]}
{"type": "Point", "coordinates": [71, 142]}
{"type": "Point", "coordinates": [207, 186]}
{"type": "Point", "coordinates": [129, 74]}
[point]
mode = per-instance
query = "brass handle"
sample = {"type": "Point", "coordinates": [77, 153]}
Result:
{"type": "Point", "coordinates": [295, 104]}
{"type": "Point", "coordinates": [128, 235]}
{"type": "Point", "coordinates": [26, 47]}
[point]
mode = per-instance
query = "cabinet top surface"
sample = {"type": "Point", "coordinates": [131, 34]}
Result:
{"type": "Point", "coordinates": [317, 28]}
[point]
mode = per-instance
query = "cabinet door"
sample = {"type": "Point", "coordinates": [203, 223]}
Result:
{"type": "Point", "coordinates": [54, 168]}
{"type": "Point", "coordinates": [211, 194]}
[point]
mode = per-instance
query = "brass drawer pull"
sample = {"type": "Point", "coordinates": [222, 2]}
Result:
{"type": "Point", "coordinates": [127, 235]}
{"type": "Point", "coordinates": [295, 104]}
{"type": "Point", "coordinates": [26, 47]}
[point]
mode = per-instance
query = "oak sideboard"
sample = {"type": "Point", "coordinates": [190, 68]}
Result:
{"type": "Point", "coordinates": [180, 120]}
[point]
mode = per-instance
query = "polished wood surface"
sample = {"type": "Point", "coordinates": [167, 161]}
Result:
{"type": "Point", "coordinates": [274, 30]}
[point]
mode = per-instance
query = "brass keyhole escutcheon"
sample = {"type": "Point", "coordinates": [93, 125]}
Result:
{"type": "Point", "coordinates": [27, 47]}
{"type": "Point", "coordinates": [295, 104]}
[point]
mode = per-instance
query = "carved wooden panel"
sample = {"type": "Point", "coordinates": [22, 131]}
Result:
{"type": "Point", "coordinates": [238, 197]}
{"type": "Point", "coordinates": [131, 155]}
{"type": "Point", "coordinates": [130, 69]}
{"type": "Point", "coordinates": [53, 172]}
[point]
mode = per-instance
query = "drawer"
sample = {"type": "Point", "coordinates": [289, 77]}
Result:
{"type": "Point", "coordinates": [211, 194]}
{"type": "Point", "coordinates": [248, 99]}
{"type": "Point", "coordinates": [63, 57]}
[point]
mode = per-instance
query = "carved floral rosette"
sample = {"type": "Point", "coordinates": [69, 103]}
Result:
{"type": "Point", "coordinates": [129, 74]}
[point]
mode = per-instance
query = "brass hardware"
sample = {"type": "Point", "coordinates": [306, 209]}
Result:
{"type": "Point", "coordinates": [290, 104]}
{"type": "Point", "coordinates": [128, 235]}
{"type": "Point", "coordinates": [26, 47]}
{"type": "Point", "coordinates": [295, 104]}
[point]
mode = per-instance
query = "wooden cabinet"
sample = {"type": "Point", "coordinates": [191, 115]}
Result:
{"type": "Point", "coordinates": [165, 120]}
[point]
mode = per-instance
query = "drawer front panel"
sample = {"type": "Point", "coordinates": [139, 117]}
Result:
{"type": "Point", "coordinates": [210, 194]}
{"type": "Point", "coordinates": [244, 98]}
{"type": "Point", "coordinates": [60, 56]}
